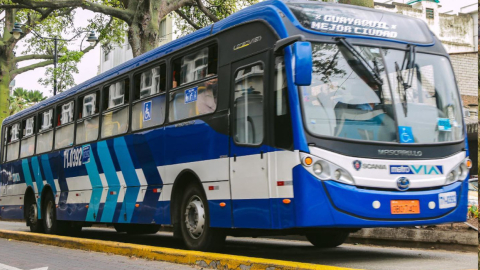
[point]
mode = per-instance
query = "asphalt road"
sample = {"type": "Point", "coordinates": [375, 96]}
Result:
{"type": "Point", "coordinates": [352, 256]}
{"type": "Point", "coordinates": [16, 255]}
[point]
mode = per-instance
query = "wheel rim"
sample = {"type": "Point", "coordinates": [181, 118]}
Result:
{"type": "Point", "coordinates": [32, 214]}
{"type": "Point", "coordinates": [195, 217]}
{"type": "Point", "coordinates": [49, 214]}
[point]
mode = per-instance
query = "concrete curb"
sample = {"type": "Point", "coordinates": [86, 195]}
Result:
{"type": "Point", "coordinates": [187, 257]}
{"type": "Point", "coordinates": [419, 238]}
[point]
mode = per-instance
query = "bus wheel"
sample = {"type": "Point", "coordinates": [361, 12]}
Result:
{"type": "Point", "coordinates": [195, 220]}
{"type": "Point", "coordinates": [50, 222]}
{"type": "Point", "coordinates": [33, 222]}
{"type": "Point", "coordinates": [327, 239]}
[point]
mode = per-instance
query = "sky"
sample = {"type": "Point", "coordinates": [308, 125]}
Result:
{"type": "Point", "coordinates": [88, 66]}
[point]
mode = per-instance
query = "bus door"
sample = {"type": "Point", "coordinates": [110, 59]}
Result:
{"type": "Point", "coordinates": [248, 158]}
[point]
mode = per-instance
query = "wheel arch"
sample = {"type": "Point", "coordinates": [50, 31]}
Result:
{"type": "Point", "coordinates": [29, 195]}
{"type": "Point", "coordinates": [182, 181]}
{"type": "Point", "coordinates": [46, 189]}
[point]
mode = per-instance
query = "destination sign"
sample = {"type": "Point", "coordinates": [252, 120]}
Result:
{"type": "Point", "coordinates": [342, 19]}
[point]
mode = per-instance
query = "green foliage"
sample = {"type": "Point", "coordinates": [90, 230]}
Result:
{"type": "Point", "coordinates": [22, 99]}
{"type": "Point", "coordinates": [219, 8]}
{"type": "Point", "coordinates": [67, 67]}
{"type": "Point", "coordinates": [473, 211]}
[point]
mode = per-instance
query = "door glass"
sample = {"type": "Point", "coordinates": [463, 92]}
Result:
{"type": "Point", "coordinates": [248, 105]}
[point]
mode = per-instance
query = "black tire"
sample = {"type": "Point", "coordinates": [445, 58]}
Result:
{"type": "Point", "coordinates": [210, 239]}
{"type": "Point", "coordinates": [31, 216]}
{"type": "Point", "coordinates": [49, 212]}
{"type": "Point", "coordinates": [327, 239]}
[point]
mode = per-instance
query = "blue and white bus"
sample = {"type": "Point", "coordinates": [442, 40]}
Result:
{"type": "Point", "coordinates": [288, 117]}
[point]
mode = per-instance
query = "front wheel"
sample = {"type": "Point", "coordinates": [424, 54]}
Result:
{"type": "Point", "coordinates": [195, 222]}
{"type": "Point", "coordinates": [327, 239]}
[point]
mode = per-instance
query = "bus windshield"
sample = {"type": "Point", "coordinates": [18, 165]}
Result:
{"type": "Point", "coordinates": [415, 99]}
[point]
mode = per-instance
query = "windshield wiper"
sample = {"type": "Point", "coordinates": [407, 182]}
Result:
{"type": "Point", "coordinates": [409, 64]}
{"type": "Point", "coordinates": [372, 72]}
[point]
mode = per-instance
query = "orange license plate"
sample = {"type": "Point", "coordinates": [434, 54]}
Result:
{"type": "Point", "coordinates": [405, 207]}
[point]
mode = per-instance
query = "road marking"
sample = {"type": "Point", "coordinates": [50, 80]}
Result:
{"type": "Point", "coordinates": [8, 267]}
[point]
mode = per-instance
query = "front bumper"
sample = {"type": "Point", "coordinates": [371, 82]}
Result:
{"type": "Point", "coordinates": [331, 204]}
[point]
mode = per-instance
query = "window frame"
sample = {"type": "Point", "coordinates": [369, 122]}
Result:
{"type": "Point", "coordinates": [185, 87]}
{"type": "Point", "coordinates": [79, 108]}
{"type": "Point", "coordinates": [34, 134]}
{"type": "Point", "coordinates": [265, 105]}
{"type": "Point", "coordinates": [140, 71]}
{"type": "Point", "coordinates": [19, 140]}
{"type": "Point", "coordinates": [134, 101]}
{"type": "Point", "coordinates": [103, 94]}
{"type": "Point", "coordinates": [185, 52]}
{"type": "Point", "coordinates": [56, 114]}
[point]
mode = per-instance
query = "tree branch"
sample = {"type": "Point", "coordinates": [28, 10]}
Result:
{"type": "Point", "coordinates": [206, 11]}
{"type": "Point", "coordinates": [183, 16]}
{"type": "Point", "coordinates": [30, 67]}
{"type": "Point", "coordinates": [32, 57]}
{"type": "Point", "coordinates": [122, 14]}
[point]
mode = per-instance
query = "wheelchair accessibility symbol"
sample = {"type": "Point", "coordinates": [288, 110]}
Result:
{"type": "Point", "coordinates": [147, 111]}
{"type": "Point", "coordinates": [406, 134]}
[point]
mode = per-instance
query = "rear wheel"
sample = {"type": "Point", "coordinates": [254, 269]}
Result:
{"type": "Point", "coordinates": [50, 222]}
{"type": "Point", "coordinates": [31, 216]}
{"type": "Point", "coordinates": [195, 222]}
{"type": "Point", "coordinates": [327, 239]}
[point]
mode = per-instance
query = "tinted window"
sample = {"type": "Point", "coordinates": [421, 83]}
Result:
{"type": "Point", "coordinates": [248, 105]}
{"type": "Point", "coordinates": [195, 66]}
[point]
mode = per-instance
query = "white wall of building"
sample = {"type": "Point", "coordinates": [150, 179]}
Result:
{"type": "Point", "coordinates": [455, 25]}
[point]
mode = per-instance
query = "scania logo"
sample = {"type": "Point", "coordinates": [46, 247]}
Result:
{"type": "Point", "coordinates": [357, 164]}
{"type": "Point", "coordinates": [403, 183]}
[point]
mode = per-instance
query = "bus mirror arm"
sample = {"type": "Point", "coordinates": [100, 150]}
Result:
{"type": "Point", "coordinates": [282, 43]}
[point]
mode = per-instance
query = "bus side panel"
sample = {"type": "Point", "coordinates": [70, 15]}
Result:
{"type": "Point", "coordinates": [201, 146]}
{"type": "Point", "coordinates": [13, 191]}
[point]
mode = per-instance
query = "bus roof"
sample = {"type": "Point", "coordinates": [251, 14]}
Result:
{"type": "Point", "coordinates": [267, 10]}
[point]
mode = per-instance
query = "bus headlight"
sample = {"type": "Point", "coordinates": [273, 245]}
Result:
{"type": "Point", "coordinates": [460, 172]}
{"type": "Point", "coordinates": [326, 170]}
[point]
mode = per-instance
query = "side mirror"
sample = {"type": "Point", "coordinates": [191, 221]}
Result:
{"type": "Point", "coordinates": [303, 63]}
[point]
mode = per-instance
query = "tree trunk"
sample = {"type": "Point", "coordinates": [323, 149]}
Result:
{"type": "Point", "coordinates": [6, 65]}
{"type": "Point", "coordinates": [363, 3]}
{"type": "Point", "coordinates": [144, 32]}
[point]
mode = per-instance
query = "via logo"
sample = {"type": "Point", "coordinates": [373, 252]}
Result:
{"type": "Point", "coordinates": [403, 183]}
{"type": "Point", "coordinates": [417, 169]}
{"type": "Point", "coordinates": [357, 164]}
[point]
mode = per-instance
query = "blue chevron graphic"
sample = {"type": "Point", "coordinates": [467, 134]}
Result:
{"type": "Point", "coordinates": [112, 180]}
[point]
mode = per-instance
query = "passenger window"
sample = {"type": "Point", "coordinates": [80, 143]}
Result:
{"type": "Point", "coordinates": [87, 125]}
{"type": "Point", "coordinates": [65, 125]}
{"type": "Point", "coordinates": [45, 132]}
{"type": "Point", "coordinates": [149, 112]}
{"type": "Point", "coordinates": [115, 119]}
{"type": "Point", "coordinates": [283, 134]}
{"type": "Point", "coordinates": [28, 139]}
{"type": "Point", "coordinates": [193, 101]}
{"type": "Point", "coordinates": [195, 66]}
{"type": "Point", "coordinates": [46, 120]}
{"type": "Point", "coordinates": [13, 141]}
{"type": "Point", "coordinates": [150, 82]}
{"type": "Point", "coordinates": [248, 105]}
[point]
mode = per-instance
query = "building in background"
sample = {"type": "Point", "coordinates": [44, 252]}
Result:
{"type": "Point", "coordinates": [455, 23]}
{"type": "Point", "coordinates": [122, 53]}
